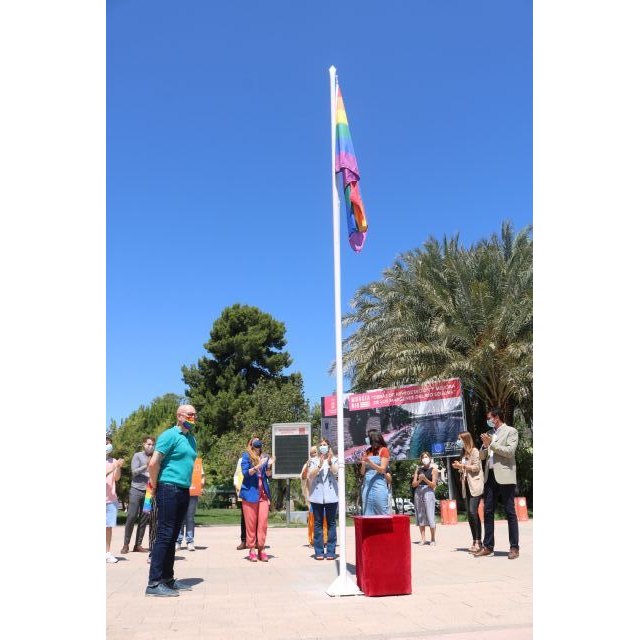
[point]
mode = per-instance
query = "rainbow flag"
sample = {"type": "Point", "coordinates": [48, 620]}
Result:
{"type": "Point", "coordinates": [148, 497]}
{"type": "Point", "coordinates": [347, 164]}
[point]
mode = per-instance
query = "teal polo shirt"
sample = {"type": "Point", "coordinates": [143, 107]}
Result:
{"type": "Point", "coordinates": [179, 454]}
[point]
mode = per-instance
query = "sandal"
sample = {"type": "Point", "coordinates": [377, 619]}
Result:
{"type": "Point", "coordinates": [263, 557]}
{"type": "Point", "coordinates": [253, 557]}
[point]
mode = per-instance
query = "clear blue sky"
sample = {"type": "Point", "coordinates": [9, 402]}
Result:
{"type": "Point", "coordinates": [218, 162]}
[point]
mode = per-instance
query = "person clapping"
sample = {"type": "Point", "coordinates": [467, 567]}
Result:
{"type": "Point", "coordinates": [256, 497]}
{"type": "Point", "coordinates": [323, 497]}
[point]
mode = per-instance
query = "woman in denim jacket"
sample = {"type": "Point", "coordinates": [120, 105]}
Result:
{"type": "Point", "coordinates": [322, 476]}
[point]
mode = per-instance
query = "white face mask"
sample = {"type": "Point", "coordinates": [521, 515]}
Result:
{"type": "Point", "coordinates": [324, 449]}
{"type": "Point", "coordinates": [109, 448]}
{"type": "Point", "coordinates": [426, 461]}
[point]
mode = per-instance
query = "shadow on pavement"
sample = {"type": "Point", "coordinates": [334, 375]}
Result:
{"type": "Point", "coordinates": [192, 582]}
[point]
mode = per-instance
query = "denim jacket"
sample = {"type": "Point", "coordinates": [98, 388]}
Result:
{"type": "Point", "coordinates": [323, 489]}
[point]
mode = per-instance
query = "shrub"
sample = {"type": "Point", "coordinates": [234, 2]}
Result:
{"type": "Point", "coordinates": [442, 491]}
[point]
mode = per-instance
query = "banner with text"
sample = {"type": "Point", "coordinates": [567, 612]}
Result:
{"type": "Point", "coordinates": [412, 419]}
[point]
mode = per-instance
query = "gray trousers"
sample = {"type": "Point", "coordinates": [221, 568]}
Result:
{"type": "Point", "coordinates": [136, 501]}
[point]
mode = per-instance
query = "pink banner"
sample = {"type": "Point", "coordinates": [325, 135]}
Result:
{"type": "Point", "coordinates": [438, 390]}
{"type": "Point", "coordinates": [405, 395]}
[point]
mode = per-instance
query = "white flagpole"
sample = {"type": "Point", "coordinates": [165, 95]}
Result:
{"type": "Point", "coordinates": [343, 585]}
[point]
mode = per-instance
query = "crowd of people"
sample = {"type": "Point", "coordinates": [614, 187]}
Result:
{"type": "Point", "coordinates": [167, 479]}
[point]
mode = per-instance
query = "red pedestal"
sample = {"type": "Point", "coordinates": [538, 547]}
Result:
{"type": "Point", "coordinates": [383, 555]}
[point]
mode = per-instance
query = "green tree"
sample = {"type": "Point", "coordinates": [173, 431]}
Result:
{"type": "Point", "coordinates": [149, 420]}
{"type": "Point", "coordinates": [239, 389]}
{"type": "Point", "coordinates": [245, 346]}
{"type": "Point", "coordinates": [272, 401]}
{"type": "Point", "coordinates": [447, 311]}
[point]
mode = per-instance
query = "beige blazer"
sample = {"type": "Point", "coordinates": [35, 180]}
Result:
{"type": "Point", "coordinates": [504, 455]}
{"type": "Point", "coordinates": [473, 474]}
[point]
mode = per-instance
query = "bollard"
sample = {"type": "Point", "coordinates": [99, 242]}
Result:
{"type": "Point", "coordinates": [521, 508]}
{"type": "Point", "coordinates": [448, 512]}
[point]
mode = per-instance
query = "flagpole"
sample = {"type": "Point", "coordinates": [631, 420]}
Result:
{"type": "Point", "coordinates": [343, 585]}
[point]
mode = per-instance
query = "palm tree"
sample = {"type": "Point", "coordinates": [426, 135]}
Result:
{"type": "Point", "coordinates": [445, 311]}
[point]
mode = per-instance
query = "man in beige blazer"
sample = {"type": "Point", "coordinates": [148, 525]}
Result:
{"type": "Point", "coordinates": [499, 453]}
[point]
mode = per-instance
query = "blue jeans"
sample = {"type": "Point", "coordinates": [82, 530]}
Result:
{"type": "Point", "coordinates": [320, 511]}
{"type": "Point", "coordinates": [171, 504]}
{"type": "Point", "coordinates": [189, 522]}
{"type": "Point", "coordinates": [506, 492]}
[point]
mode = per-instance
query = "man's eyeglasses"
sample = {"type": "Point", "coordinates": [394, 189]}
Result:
{"type": "Point", "coordinates": [190, 415]}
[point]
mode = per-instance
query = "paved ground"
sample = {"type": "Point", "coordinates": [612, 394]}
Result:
{"type": "Point", "coordinates": [455, 596]}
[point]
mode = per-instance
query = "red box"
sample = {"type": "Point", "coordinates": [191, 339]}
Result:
{"type": "Point", "coordinates": [383, 555]}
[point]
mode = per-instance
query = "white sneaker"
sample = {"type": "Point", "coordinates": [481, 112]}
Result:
{"type": "Point", "coordinates": [183, 545]}
{"type": "Point", "coordinates": [191, 546]}
{"type": "Point", "coordinates": [111, 558]}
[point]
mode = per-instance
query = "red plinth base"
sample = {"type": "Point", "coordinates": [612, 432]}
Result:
{"type": "Point", "coordinates": [383, 555]}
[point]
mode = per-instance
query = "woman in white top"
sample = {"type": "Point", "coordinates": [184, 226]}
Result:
{"type": "Point", "coordinates": [323, 497]}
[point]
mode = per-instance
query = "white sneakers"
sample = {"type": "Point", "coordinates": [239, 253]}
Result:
{"type": "Point", "coordinates": [185, 545]}
{"type": "Point", "coordinates": [111, 558]}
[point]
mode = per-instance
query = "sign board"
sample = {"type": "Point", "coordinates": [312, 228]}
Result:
{"type": "Point", "coordinates": [412, 419]}
{"type": "Point", "coordinates": [291, 442]}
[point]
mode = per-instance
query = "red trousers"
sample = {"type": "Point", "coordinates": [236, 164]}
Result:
{"type": "Point", "coordinates": [256, 516]}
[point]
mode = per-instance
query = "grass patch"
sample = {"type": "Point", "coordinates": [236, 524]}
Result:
{"type": "Point", "coordinates": [217, 517]}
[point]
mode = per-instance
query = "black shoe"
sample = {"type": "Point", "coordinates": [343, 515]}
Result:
{"type": "Point", "coordinates": [161, 590]}
{"type": "Point", "coordinates": [176, 585]}
{"type": "Point", "coordinates": [241, 546]}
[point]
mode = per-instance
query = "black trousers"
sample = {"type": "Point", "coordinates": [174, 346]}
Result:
{"type": "Point", "coordinates": [506, 493]}
{"type": "Point", "coordinates": [472, 503]}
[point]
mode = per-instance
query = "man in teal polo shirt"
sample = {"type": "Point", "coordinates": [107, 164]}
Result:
{"type": "Point", "coordinates": [170, 470]}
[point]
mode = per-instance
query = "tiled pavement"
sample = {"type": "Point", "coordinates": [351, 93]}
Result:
{"type": "Point", "coordinates": [455, 596]}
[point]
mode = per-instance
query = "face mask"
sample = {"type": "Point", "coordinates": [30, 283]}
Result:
{"type": "Point", "coordinates": [324, 449]}
{"type": "Point", "coordinates": [426, 461]}
{"type": "Point", "coordinates": [459, 443]}
{"type": "Point", "coordinates": [189, 424]}
{"type": "Point", "coordinates": [367, 441]}
{"type": "Point", "coordinates": [109, 448]}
